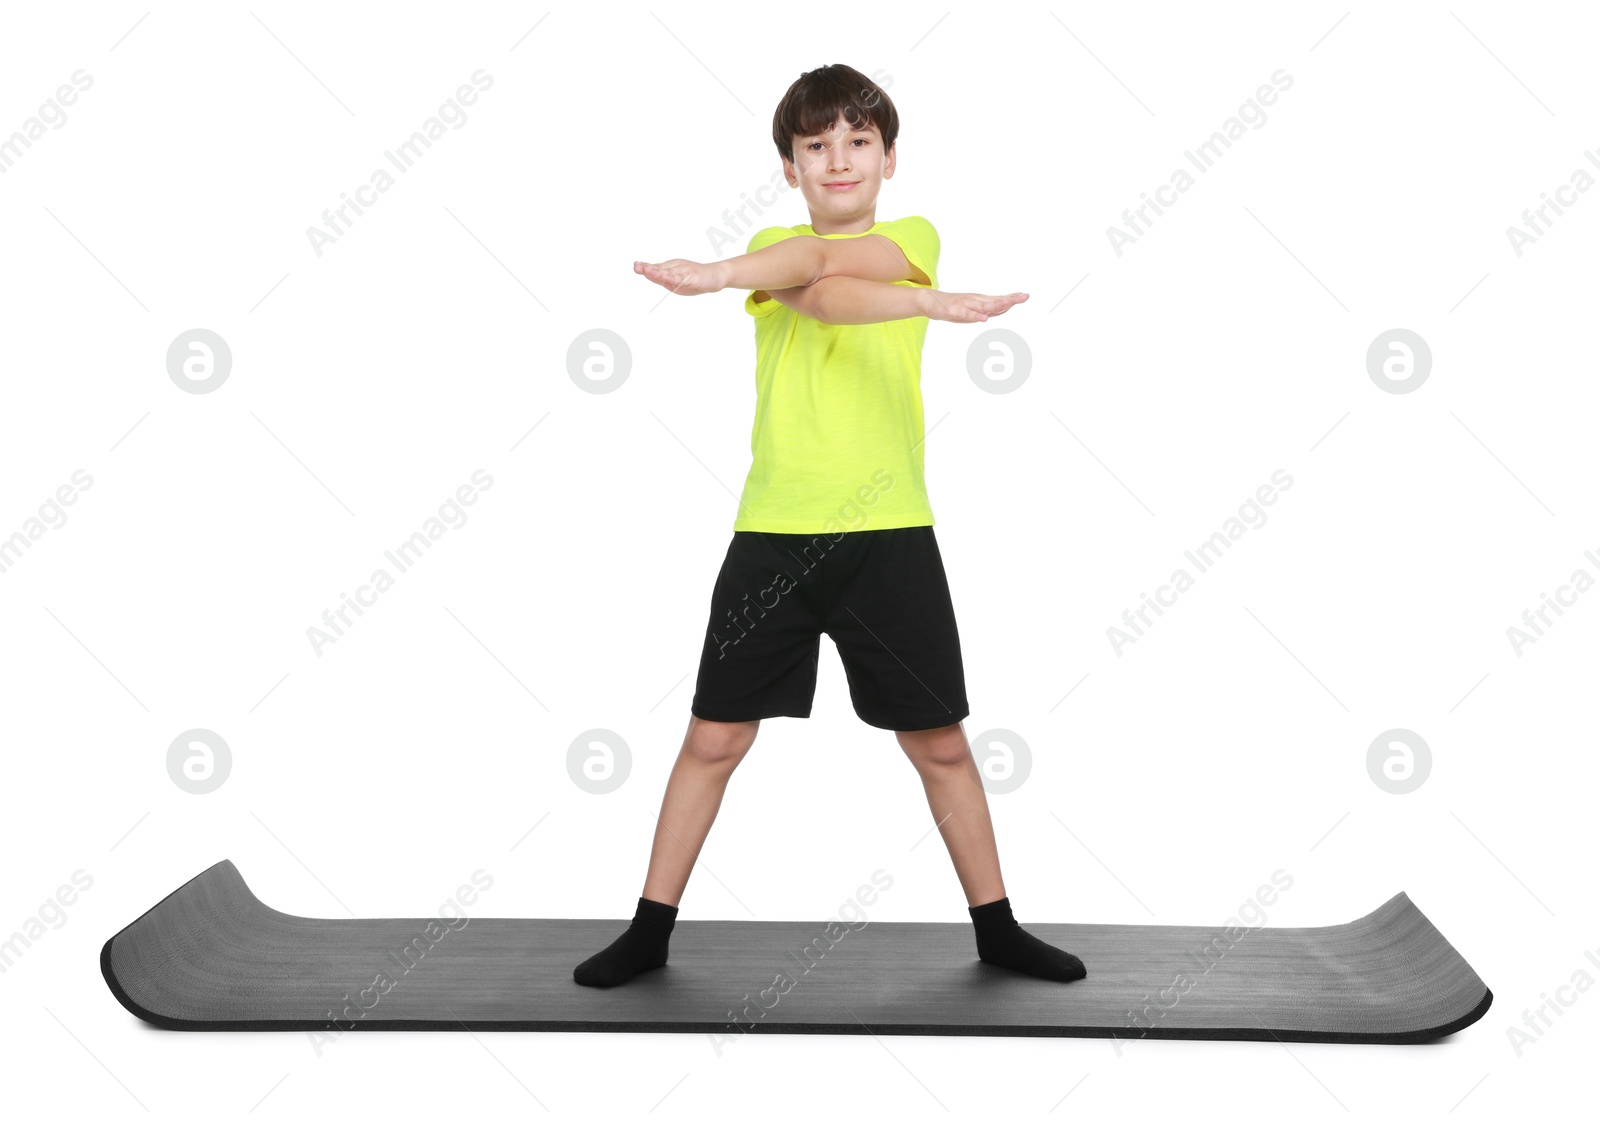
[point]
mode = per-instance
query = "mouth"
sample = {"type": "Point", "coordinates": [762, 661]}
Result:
{"type": "Point", "coordinates": [841, 185]}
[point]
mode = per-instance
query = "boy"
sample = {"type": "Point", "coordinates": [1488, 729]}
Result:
{"type": "Point", "coordinates": [834, 532]}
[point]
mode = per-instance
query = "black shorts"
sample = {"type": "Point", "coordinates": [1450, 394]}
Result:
{"type": "Point", "coordinates": [881, 595]}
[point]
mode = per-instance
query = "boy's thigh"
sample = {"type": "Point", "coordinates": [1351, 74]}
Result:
{"type": "Point", "coordinates": [763, 633]}
{"type": "Point", "coordinates": [890, 613]}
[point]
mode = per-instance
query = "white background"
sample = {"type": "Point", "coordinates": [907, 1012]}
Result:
{"type": "Point", "coordinates": [370, 382]}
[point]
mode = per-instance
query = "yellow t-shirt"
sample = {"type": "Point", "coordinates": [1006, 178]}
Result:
{"type": "Point", "coordinates": [838, 436]}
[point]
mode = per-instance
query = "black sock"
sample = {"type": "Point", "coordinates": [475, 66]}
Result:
{"type": "Point", "coordinates": [641, 947]}
{"type": "Point", "coordinates": [1001, 941]}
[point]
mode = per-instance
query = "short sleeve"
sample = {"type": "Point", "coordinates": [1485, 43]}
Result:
{"type": "Point", "coordinates": [761, 239]}
{"type": "Point", "coordinates": [919, 241]}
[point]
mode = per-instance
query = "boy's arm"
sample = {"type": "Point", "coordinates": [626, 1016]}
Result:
{"type": "Point", "coordinates": [842, 299]}
{"type": "Point", "coordinates": [807, 258]}
{"type": "Point", "coordinates": [871, 257]}
{"type": "Point", "coordinates": [853, 300]}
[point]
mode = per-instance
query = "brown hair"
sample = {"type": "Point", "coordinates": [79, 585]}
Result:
{"type": "Point", "coordinates": [820, 97]}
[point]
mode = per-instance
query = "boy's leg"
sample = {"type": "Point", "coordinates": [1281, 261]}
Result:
{"type": "Point", "coordinates": [956, 798]}
{"type": "Point", "coordinates": [943, 760]}
{"type": "Point", "coordinates": [758, 657]}
{"type": "Point", "coordinates": [711, 751]}
{"type": "Point", "coordinates": [890, 612]}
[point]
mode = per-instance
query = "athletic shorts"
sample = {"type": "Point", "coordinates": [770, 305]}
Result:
{"type": "Point", "coordinates": [881, 595]}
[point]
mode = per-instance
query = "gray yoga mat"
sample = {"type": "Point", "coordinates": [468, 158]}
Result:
{"type": "Point", "coordinates": [211, 956]}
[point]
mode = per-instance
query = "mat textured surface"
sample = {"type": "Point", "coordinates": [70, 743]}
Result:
{"type": "Point", "coordinates": [211, 956]}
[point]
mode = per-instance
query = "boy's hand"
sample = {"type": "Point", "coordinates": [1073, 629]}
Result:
{"type": "Point", "coordinates": [684, 277]}
{"type": "Point", "coordinates": [967, 308]}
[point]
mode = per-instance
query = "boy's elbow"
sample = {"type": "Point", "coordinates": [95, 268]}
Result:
{"type": "Point", "coordinates": [807, 300]}
{"type": "Point", "coordinates": [816, 301]}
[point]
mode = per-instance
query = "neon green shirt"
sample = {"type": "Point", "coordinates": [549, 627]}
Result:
{"type": "Point", "coordinates": [838, 436]}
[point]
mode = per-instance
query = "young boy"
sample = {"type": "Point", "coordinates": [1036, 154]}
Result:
{"type": "Point", "coordinates": [834, 532]}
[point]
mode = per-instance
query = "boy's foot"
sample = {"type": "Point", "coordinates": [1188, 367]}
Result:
{"type": "Point", "coordinates": [1005, 944]}
{"type": "Point", "coordinates": [641, 947]}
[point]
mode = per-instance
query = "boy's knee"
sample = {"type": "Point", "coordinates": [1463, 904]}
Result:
{"type": "Point", "coordinates": [719, 743]}
{"type": "Point", "coordinates": [943, 745]}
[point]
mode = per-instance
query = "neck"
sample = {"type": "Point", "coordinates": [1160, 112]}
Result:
{"type": "Point", "coordinates": [844, 226]}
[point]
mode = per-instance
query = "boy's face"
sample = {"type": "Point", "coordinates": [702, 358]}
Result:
{"type": "Point", "coordinates": [840, 156]}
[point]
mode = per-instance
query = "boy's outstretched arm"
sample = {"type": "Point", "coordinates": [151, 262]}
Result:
{"type": "Point", "coordinates": [800, 260]}
{"type": "Point", "coordinates": [843, 299]}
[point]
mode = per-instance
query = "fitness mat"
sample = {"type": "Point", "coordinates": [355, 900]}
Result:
{"type": "Point", "coordinates": [211, 956]}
